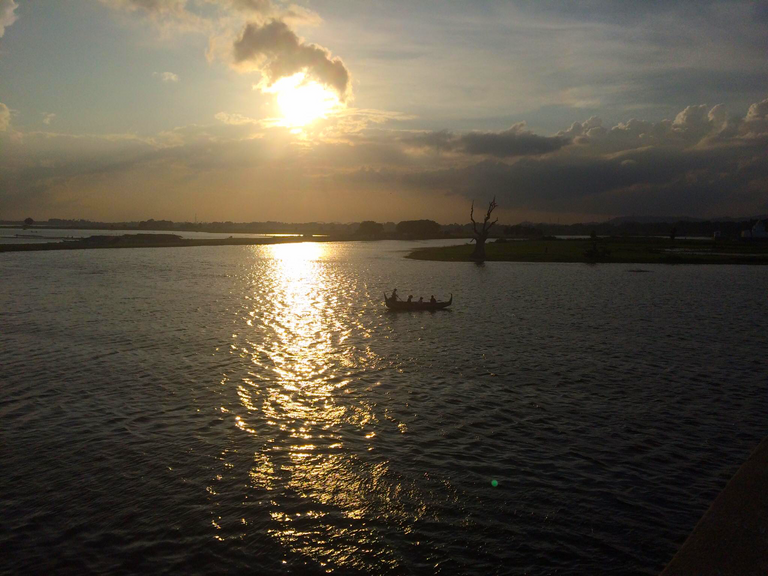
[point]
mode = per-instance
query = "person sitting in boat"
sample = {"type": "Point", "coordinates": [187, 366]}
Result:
{"type": "Point", "coordinates": [394, 295]}
{"type": "Point", "coordinates": [432, 299]}
{"type": "Point", "coordinates": [410, 297]}
{"type": "Point", "coordinates": [421, 299]}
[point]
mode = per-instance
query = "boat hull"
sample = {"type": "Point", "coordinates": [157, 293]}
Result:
{"type": "Point", "coordinates": [402, 306]}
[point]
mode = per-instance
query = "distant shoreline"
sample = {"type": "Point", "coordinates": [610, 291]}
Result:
{"type": "Point", "coordinates": [607, 251]}
{"type": "Point", "coordinates": [149, 241]}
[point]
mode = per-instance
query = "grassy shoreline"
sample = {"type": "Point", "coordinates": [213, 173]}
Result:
{"type": "Point", "coordinates": [607, 250]}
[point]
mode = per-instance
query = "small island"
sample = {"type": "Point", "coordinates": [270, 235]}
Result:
{"type": "Point", "coordinates": [616, 250]}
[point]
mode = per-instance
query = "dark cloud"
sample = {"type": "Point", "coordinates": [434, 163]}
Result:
{"type": "Point", "coordinates": [517, 141]}
{"type": "Point", "coordinates": [276, 51]}
{"type": "Point", "coordinates": [701, 163]}
{"type": "Point", "coordinates": [440, 140]}
{"type": "Point", "coordinates": [651, 181]}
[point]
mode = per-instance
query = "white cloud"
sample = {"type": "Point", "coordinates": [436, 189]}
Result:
{"type": "Point", "coordinates": [235, 119]}
{"type": "Point", "coordinates": [48, 118]}
{"type": "Point", "coordinates": [166, 76]}
{"type": "Point", "coordinates": [756, 121]}
{"type": "Point", "coordinates": [7, 15]}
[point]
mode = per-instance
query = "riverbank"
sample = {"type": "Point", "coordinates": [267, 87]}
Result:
{"type": "Point", "coordinates": [732, 536]}
{"type": "Point", "coordinates": [607, 250]}
{"type": "Point", "coordinates": [148, 241]}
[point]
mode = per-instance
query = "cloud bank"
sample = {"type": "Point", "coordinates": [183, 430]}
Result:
{"type": "Point", "coordinates": [702, 162]}
{"type": "Point", "coordinates": [516, 141]}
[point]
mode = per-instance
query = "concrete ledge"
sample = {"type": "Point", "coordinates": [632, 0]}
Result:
{"type": "Point", "coordinates": [732, 536]}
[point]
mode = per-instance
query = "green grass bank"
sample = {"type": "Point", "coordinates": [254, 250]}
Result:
{"type": "Point", "coordinates": [607, 250]}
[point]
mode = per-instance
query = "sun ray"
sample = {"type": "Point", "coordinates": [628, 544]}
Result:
{"type": "Point", "coordinates": [303, 101]}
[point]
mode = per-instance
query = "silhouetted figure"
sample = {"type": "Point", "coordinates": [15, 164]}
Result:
{"type": "Point", "coordinates": [410, 297]}
{"type": "Point", "coordinates": [421, 299]}
{"type": "Point", "coordinates": [394, 295]}
{"type": "Point", "coordinates": [432, 299]}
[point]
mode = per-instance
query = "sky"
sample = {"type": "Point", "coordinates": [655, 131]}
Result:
{"type": "Point", "coordinates": [349, 110]}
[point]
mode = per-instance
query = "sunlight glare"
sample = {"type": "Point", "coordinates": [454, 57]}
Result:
{"type": "Point", "coordinates": [297, 256]}
{"type": "Point", "coordinates": [302, 101]}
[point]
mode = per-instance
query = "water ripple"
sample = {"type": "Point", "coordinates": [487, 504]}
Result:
{"type": "Point", "coordinates": [253, 409]}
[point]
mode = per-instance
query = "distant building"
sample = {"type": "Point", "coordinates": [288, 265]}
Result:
{"type": "Point", "coordinates": [757, 231]}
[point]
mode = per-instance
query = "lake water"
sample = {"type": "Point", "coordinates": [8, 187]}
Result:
{"type": "Point", "coordinates": [255, 409]}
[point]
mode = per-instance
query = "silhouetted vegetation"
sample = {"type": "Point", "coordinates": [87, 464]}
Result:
{"type": "Point", "coordinates": [618, 227]}
{"type": "Point", "coordinates": [523, 231]}
{"type": "Point", "coordinates": [152, 224]}
{"type": "Point", "coordinates": [609, 250]}
{"type": "Point", "coordinates": [370, 229]}
{"type": "Point", "coordinates": [419, 229]}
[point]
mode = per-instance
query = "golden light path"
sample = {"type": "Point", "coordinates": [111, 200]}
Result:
{"type": "Point", "coordinates": [302, 101]}
{"type": "Point", "coordinates": [305, 395]}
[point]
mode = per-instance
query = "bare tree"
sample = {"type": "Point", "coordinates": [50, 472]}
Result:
{"type": "Point", "coordinates": [478, 255]}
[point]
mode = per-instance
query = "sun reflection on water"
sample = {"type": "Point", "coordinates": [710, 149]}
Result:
{"type": "Point", "coordinates": [303, 401]}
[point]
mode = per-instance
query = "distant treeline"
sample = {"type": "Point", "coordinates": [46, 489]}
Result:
{"type": "Point", "coordinates": [681, 228]}
{"type": "Point", "coordinates": [417, 228]}
{"type": "Point", "coordinates": [269, 227]}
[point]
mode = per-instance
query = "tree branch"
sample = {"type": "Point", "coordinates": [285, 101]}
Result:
{"type": "Point", "coordinates": [491, 207]}
{"type": "Point", "coordinates": [472, 217]}
{"type": "Point", "coordinates": [483, 233]}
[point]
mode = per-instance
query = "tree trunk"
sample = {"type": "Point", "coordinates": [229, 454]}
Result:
{"type": "Point", "coordinates": [478, 254]}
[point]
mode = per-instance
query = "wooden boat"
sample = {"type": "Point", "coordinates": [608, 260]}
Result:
{"type": "Point", "coordinates": [413, 305]}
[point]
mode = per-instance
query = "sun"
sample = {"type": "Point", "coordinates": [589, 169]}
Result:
{"type": "Point", "coordinates": [302, 101]}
